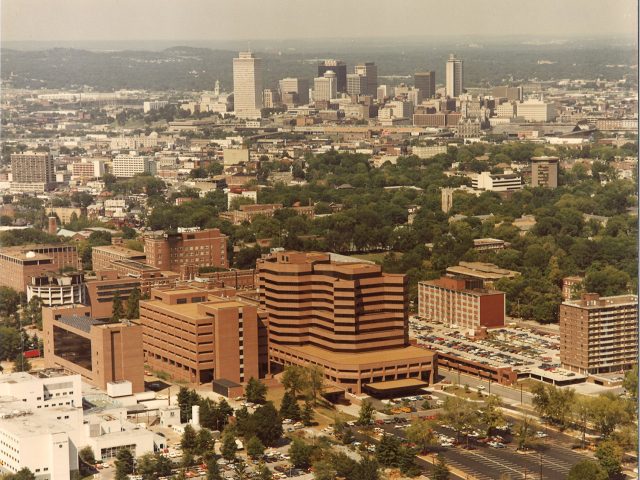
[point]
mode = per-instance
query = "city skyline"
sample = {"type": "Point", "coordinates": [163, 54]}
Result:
{"type": "Point", "coordinates": [196, 20]}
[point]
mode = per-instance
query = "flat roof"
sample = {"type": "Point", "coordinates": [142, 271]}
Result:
{"type": "Point", "coordinates": [396, 384]}
{"type": "Point", "coordinates": [223, 382]}
{"type": "Point", "coordinates": [601, 302]}
{"type": "Point", "coordinates": [79, 322]}
{"type": "Point", "coordinates": [379, 356]}
{"type": "Point", "coordinates": [117, 249]}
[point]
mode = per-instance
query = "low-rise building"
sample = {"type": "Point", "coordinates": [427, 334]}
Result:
{"type": "Point", "coordinates": [102, 257]}
{"type": "Point", "coordinates": [460, 301]}
{"type": "Point", "coordinates": [497, 182]}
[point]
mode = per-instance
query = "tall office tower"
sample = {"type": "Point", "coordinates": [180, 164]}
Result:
{"type": "Point", "coordinates": [599, 334]}
{"type": "Point", "coordinates": [348, 317]}
{"type": "Point", "coordinates": [369, 70]}
{"type": "Point", "coordinates": [325, 87]}
{"type": "Point", "coordinates": [455, 77]}
{"type": "Point", "coordinates": [247, 85]}
{"type": "Point", "coordinates": [426, 83]}
{"type": "Point", "coordinates": [544, 172]}
{"type": "Point", "coordinates": [270, 98]}
{"type": "Point", "coordinates": [32, 172]}
{"type": "Point", "coordinates": [356, 84]}
{"type": "Point", "coordinates": [298, 86]}
{"type": "Point", "coordinates": [339, 68]}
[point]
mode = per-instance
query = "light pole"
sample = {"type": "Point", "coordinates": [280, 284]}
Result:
{"type": "Point", "coordinates": [521, 394]}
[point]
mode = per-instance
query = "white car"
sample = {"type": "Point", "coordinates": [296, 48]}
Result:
{"type": "Point", "coordinates": [541, 435]}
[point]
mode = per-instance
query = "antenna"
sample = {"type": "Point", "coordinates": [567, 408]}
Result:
{"type": "Point", "coordinates": [248, 46]}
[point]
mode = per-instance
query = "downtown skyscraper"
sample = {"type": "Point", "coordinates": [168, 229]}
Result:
{"type": "Point", "coordinates": [454, 77]}
{"type": "Point", "coordinates": [247, 85]}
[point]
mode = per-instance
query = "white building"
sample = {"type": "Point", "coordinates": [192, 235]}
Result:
{"type": "Point", "coordinates": [454, 77]}
{"type": "Point", "coordinates": [536, 111]}
{"type": "Point", "coordinates": [125, 166]}
{"type": "Point", "coordinates": [506, 110]}
{"type": "Point", "coordinates": [157, 105]}
{"type": "Point", "coordinates": [326, 87]}
{"type": "Point", "coordinates": [134, 142]}
{"type": "Point", "coordinates": [42, 392]}
{"type": "Point", "coordinates": [428, 152]}
{"type": "Point", "coordinates": [247, 85]}
{"type": "Point", "coordinates": [494, 182]}
{"type": "Point", "coordinates": [250, 194]}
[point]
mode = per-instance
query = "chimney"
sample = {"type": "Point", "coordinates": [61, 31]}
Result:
{"type": "Point", "coordinates": [52, 229]}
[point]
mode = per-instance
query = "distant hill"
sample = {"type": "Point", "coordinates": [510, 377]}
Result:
{"type": "Point", "coordinates": [189, 68]}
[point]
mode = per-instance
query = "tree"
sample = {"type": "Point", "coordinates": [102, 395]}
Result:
{"type": "Point", "coordinates": [581, 413]}
{"type": "Point", "coordinates": [263, 472]}
{"type": "Point", "coordinates": [164, 466]}
{"type": "Point", "coordinates": [255, 447]}
{"type": "Point", "coordinates": [440, 469]}
{"type": "Point", "coordinates": [32, 313]}
{"type": "Point", "coordinates": [146, 466]}
{"type": "Point", "coordinates": [10, 341]}
{"type": "Point", "coordinates": [133, 304]}
{"type": "Point", "coordinates": [315, 381]}
{"type": "Point", "coordinates": [587, 470]}
{"type": "Point", "coordinates": [609, 454]}
{"type": "Point", "coordinates": [421, 433]}
{"type": "Point", "coordinates": [459, 414]}
{"type": "Point", "coordinates": [21, 364]}
{"type": "Point", "coordinates": [204, 442]}
{"type": "Point", "coordinates": [240, 469]}
{"type": "Point", "coordinates": [630, 382]}
{"type": "Point", "coordinates": [490, 413]}
{"type": "Point", "coordinates": [365, 416]}
{"type": "Point", "coordinates": [228, 447]}
{"type": "Point", "coordinates": [294, 379]}
{"type": "Point", "coordinates": [387, 451]}
{"type": "Point", "coordinates": [300, 453]}
{"type": "Point", "coordinates": [86, 460]}
{"type": "Point", "coordinates": [289, 407]}
{"type": "Point", "coordinates": [186, 400]}
{"type": "Point", "coordinates": [307, 414]}
{"type": "Point", "coordinates": [267, 423]}
{"type": "Point", "coordinates": [407, 461]}
{"type": "Point", "coordinates": [22, 474]}
{"type": "Point", "coordinates": [366, 469]}
{"type": "Point", "coordinates": [525, 433]}
{"type": "Point", "coordinates": [117, 312]}
{"type": "Point", "coordinates": [124, 464]}
{"type": "Point", "coordinates": [189, 439]}
{"type": "Point", "coordinates": [255, 391]}
{"type": "Point", "coordinates": [608, 412]}
{"type": "Point", "coordinates": [213, 469]}
{"type": "Point", "coordinates": [324, 470]}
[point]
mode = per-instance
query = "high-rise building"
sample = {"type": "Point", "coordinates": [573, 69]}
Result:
{"type": "Point", "coordinates": [544, 172]}
{"type": "Point", "coordinates": [325, 87]}
{"type": "Point", "coordinates": [599, 334]}
{"type": "Point", "coordinates": [32, 172]}
{"type": "Point", "coordinates": [534, 110]}
{"type": "Point", "coordinates": [347, 317]}
{"type": "Point", "coordinates": [461, 302]}
{"type": "Point", "coordinates": [130, 165]}
{"type": "Point", "coordinates": [356, 84]}
{"type": "Point", "coordinates": [187, 250]}
{"type": "Point", "coordinates": [454, 77]}
{"type": "Point", "coordinates": [370, 71]}
{"type": "Point", "coordinates": [270, 98]}
{"type": "Point", "coordinates": [426, 83]}
{"type": "Point", "coordinates": [247, 85]}
{"type": "Point", "coordinates": [298, 86]}
{"type": "Point", "coordinates": [339, 68]}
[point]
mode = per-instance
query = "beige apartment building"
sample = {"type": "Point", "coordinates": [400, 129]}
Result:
{"type": "Point", "coordinates": [32, 172]}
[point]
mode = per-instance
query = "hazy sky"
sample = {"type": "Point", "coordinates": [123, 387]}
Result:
{"type": "Point", "coordinates": [145, 20]}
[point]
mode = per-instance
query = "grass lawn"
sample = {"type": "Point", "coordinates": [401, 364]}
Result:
{"type": "Point", "coordinates": [527, 384]}
{"type": "Point", "coordinates": [472, 394]}
{"type": "Point", "coordinates": [325, 416]}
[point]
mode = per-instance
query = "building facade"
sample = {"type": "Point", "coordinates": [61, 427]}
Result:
{"type": "Point", "coordinates": [19, 264]}
{"type": "Point", "coordinates": [454, 77]}
{"type": "Point", "coordinates": [100, 352]}
{"type": "Point", "coordinates": [247, 85]}
{"type": "Point", "coordinates": [599, 334]}
{"type": "Point", "coordinates": [188, 248]}
{"type": "Point", "coordinates": [426, 83]}
{"type": "Point", "coordinates": [370, 71]}
{"type": "Point", "coordinates": [325, 88]}
{"type": "Point", "coordinates": [32, 172]}
{"type": "Point", "coordinates": [127, 166]}
{"type": "Point", "coordinates": [497, 182]}
{"type": "Point", "coordinates": [461, 302]}
{"type": "Point", "coordinates": [102, 257]}
{"type": "Point", "coordinates": [339, 68]}
{"type": "Point", "coordinates": [197, 337]}
{"type": "Point", "coordinates": [348, 318]}
{"type": "Point", "coordinates": [544, 172]}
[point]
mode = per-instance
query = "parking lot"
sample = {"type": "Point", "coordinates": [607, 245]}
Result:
{"type": "Point", "coordinates": [532, 354]}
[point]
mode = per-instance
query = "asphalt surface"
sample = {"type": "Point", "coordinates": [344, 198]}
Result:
{"type": "Point", "coordinates": [552, 462]}
{"type": "Point", "coordinates": [496, 388]}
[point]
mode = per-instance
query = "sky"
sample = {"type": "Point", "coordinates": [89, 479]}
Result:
{"type": "Point", "coordinates": [210, 20]}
